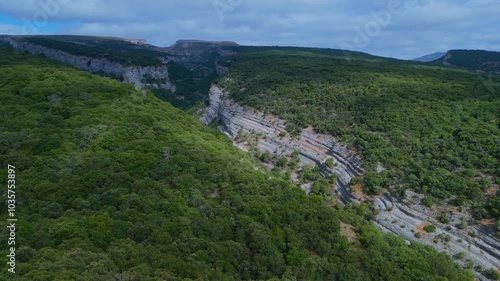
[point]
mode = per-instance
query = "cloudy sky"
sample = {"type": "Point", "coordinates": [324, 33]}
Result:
{"type": "Point", "coordinates": [394, 28]}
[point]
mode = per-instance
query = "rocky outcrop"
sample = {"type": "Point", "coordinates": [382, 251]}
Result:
{"type": "Point", "coordinates": [136, 75]}
{"type": "Point", "coordinates": [211, 112]}
{"type": "Point", "coordinates": [407, 217]}
{"type": "Point", "coordinates": [136, 41]}
{"type": "Point", "coordinates": [314, 148]}
{"type": "Point", "coordinates": [141, 77]}
{"type": "Point", "coordinates": [476, 60]}
{"type": "Point", "coordinates": [195, 53]}
{"type": "Point", "coordinates": [446, 57]}
{"type": "Point", "coordinates": [404, 218]}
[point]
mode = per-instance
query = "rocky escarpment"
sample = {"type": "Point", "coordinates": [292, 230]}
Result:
{"type": "Point", "coordinates": [196, 53]}
{"type": "Point", "coordinates": [313, 148]}
{"type": "Point", "coordinates": [476, 60]}
{"type": "Point", "coordinates": [141, 77]}
{"type": "Point", "coordinates": [405, 218]}
{"type": "Point", "coordinates": [467, 243]}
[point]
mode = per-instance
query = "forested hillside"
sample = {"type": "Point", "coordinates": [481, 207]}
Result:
{"type": "Point", "coordinates": [433, 129]}
{"type": "Point", "coordinates": [477, 60]}
{"type": "Point", "coordinates": [182, 77]}
{"type": "Point", "coordinates": [115, 184]}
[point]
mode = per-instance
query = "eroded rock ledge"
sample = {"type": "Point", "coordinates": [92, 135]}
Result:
{"type": "Point", "coordinates": [132, 74]}
{"type": "Point", "coordinates": [314, 148]}
{"type": "Point", "coordinates": [401, 217]}
{"type": "Point", "coordinates": [408, 216]}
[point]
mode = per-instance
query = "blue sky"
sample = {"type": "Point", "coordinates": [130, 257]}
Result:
{"type": "Point", "coordinates": [395, 28]}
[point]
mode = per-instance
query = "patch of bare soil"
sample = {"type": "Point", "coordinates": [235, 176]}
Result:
{"type": "Point", "coordinates": [348, 231]}
{"type": "Point", "coordinates": [357, 192]}
{"type": "Point", "coordinates": [487, 222]}
{"type": "Point", "coordinates": [492, 191]}
{"type": "Point", "coordinates": [215, 193]}
{"type": "Point", "coordinates": [421, 227]}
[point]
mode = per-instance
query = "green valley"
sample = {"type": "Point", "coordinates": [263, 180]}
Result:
{"type": "Point", "coordinates": [115, 184]}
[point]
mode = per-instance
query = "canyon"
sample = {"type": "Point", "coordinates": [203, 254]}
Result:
{"type": "Point", "coordinates": [198, 57]}
{"type": "Point", "coordinates": [469, 245]}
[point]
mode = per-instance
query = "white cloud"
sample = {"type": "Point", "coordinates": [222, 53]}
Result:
{"type": "Point", "coordinates": [423, 26]}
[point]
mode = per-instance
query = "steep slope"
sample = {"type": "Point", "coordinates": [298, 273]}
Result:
{"type": "Point", "coordinates": [430, 57]}
{"type": "Point", "coordinates": [114, 184]}
{"type": "Point", "coordinates": [196, 53]}
{"type": "Point", "coordinates": [477, 60]}
{"type": "Point", "coordinates": [116, 58]}
{"type": "Point", "coordinates": [433, 129]}
{"type": "Point", "coordinates": [415, 127]}
{"type": "Point", "coordinates": [181, 74]}
{"type": "Point", "coordinates": [261, 133]}
{"type": "Point", "coordinates": [312, 148]}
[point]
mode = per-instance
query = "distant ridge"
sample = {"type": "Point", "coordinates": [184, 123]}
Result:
{"type": "Point", "coordinates": [430, 57]}
{"type": "Point", "coordinates": [476, 60]}
{"type": "Point", "coordinates": [185, 43]}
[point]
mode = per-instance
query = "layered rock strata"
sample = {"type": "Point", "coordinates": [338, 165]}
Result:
{"type": "Point", "coordinates": [132, 74]}
{"type": "Point", "coordinates": [314, 148]}
{"type": "Point", "coordinates": [404, 218]}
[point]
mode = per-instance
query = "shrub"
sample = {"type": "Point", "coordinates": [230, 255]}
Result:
{"type": "Point", "coordinates": [443, 218]}
{"type": "Point", "coordinates": [428, 201]}
{"type": "Point", "coordinates": [330, 163]}
{"type": "Point", "coordinates": [492, 274]}
{"type": "Point", "coordinates": [430, 228]}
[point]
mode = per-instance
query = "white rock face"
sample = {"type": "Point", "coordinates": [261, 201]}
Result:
{"type": "Point", "coordinates": [402, 218]}
{"type": "Point", "coordinates": [405, 218]}
{"type": "Point", "coordinates": [314, 148]}
{"type": "Point", "coordinates": [131, 74]}
{"type": "Point", "coordinates": [215, 103]}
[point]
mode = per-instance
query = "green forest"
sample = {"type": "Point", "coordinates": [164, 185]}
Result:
{"type": "Point", "coordinates": [434, 129]}
{"type": "Point", "coordinates": [115, 184]}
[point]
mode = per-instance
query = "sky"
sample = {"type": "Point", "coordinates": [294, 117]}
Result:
{"type": "Point", "coordinates": [403, 29]}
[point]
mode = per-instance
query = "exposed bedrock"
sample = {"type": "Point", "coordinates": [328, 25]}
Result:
{"type": "Point", "coordinates": [401, 217]}
{"type": "Point", "coordinates": [140, 76]}
{"type": "Point", "coordinates": [408, 217]}
{"type": "Point", "coordinates": [314, 148]}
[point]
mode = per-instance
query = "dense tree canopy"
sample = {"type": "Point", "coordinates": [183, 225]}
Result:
{"type": "Point", "coordinates": [434, 129]}
{"type": "Point", "coordinates": [114, 184]}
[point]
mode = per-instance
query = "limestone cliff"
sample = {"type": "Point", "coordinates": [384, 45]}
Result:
{"type": "Point", "coordinates": [314, 148]}
{"type": "Point", "coordinates": [141, 77]}
{"type": "Point", "coordinates": [401, 217]}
